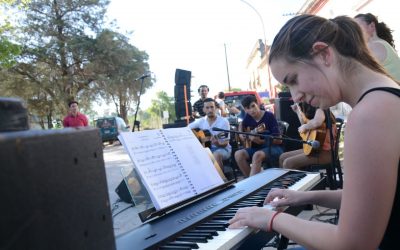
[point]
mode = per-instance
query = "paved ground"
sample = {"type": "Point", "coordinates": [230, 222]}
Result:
{"type": "Point", "coordinates": [115, 159]}
{"type": "Point", "coordinates": [126, 217]}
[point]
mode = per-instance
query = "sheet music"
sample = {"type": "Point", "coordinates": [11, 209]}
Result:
{"type": "Point", "coordinates": [172, 164]}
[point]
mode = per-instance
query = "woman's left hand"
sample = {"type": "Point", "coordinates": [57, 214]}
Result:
{"type": "Point", "coordinates": [255, 217]}
{"type": "Point", "coordinates": [303, 128]}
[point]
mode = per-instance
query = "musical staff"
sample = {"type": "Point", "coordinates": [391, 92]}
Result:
{"type": "Point", "coordinates": [171, 163]}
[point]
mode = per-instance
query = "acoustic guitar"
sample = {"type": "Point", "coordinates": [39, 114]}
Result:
{"type": "Point", "coordinates": [259, 129]}
{"type": "Point", "coordinates": [205, 136]}
{"type": "Point", "coordinates": [313, 134]}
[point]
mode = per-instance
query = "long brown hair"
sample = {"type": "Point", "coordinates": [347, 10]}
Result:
{"type": "Point", "coordinates": [382, 30]}
{"type": "Point", "coordinates": [295, 40]}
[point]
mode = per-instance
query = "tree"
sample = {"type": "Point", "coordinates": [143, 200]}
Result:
{"type": "Point", "coordinates": [119, 63]}
{"type": "Point", "coordinates": [162, 103]}
{"type": "Point", "coordinates": [67, 54]}
{"type": "Point", "coordinates": [8, 49]}
{"type": "Point", "coordinates": [57, 47]}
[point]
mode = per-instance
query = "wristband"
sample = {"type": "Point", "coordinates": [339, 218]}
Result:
{"type": "Point", "coordinates": [271, 222]}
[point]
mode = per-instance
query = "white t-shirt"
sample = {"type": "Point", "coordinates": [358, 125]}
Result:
{"type": "Point", "coordinates": [220, 122]}
{"type": "Point", "coordinates": [221, 105]}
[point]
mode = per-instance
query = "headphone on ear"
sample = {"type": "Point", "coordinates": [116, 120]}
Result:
{"type": "Point", "coordinates": [202, 86]}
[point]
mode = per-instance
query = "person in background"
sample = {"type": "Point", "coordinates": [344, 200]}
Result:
{"type": "Point", "coordinates": [220, 147]}
{"type": "Point", "coordinates": [198, 105]}
{"type": "Point", "coordinates": [311, 119]}
{"type": "Point", "coordinates": [74, 117]}
{"type": "Point", "coordinates": [223, 111]}
{"type": "Point", "coordinates": [258, 150]}
{"type": "Point", "coordinates": [323, 62]}
{"type": "Point", "coordinates": [380, 41]}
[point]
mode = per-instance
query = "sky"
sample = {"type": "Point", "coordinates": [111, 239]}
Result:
{"type": "Point", "coordinates": [192, 35]}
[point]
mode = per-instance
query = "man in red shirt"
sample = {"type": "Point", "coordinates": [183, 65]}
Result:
{"type": "Point", "coordinates": [74, 117]}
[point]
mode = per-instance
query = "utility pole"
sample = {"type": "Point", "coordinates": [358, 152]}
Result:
{"type": "Point", "coordinates": [265, 41]}
{"type": "Point", "coordinates": [227, 69]}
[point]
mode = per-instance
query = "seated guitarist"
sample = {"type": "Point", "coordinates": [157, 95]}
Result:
{"type": "Point", "coordinates": [311, 119]}
{"type": "Point", "coordinates": [259, 121]}
{"type": "Point", "coordinates": [219, 147]}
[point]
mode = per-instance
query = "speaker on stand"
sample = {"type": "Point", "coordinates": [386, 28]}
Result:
{"type": "Point", "coordinates": [183, 107]}
{"type": "Point", "coordinates": [283, 112]}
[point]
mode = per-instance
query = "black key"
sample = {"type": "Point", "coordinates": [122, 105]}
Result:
{"type": "Point", "coordinates": [192, 239]}
{"type": "Point", "coordinates": [208, 236]}
{"type": "Point", "coordinates": [166, 247]}
{"type": "Point", "coordinates": [255, 198]}
{"type": "Point", "coordinates": [226, 214]}
{"type": "Point", "coordinates": [212, 232]}
{"type": "Point", "coordinates": [215, 223]}
{"type": "Point", "coordinates": [191, 245]}
{"type": "Point", "coordinates": [223, 217]}
{"type": "Point", "coordinates": [249, 203]}
{"type": "Point", "coordinates": [229, 209]}
{"type": "Point", "coordinates": [215, 227]}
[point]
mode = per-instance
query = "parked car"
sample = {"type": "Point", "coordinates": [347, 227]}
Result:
{"type": "Point", "coordinates": [236, 97]}
{"type": "Point", "coordinates": [110, 127]}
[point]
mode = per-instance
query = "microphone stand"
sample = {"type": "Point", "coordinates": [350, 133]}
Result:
{"type": "Point", "coordinates": [138, 102]}
{"type": "Point", "coordinates": [265, 136]}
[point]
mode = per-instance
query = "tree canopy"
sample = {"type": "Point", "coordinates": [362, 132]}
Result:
{"type": "Point", "coordinates": [152, 117]}
{"type": "Point", "coordinates": [66, 53]}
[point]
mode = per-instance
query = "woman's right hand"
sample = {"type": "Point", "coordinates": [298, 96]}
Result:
{"type": "Point", "coordinates": [294, 107]}
{"type": "Point", "coordinates": [285, 197]}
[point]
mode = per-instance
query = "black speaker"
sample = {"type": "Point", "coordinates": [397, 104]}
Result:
{"type": "Point", "coordinates": [123, 192]}
{"type": "Point", "coordinates": [177, 124]}
{"type": "Point", "coordinates": [54, 191]}
{"type": "Point", "coordinates": [13, 115]}
{"type": "Point", "coordinates": [180, 93]}
{"type": "Point", "coordinates": [182, 77]}
{"type": "Point", "coordinates": [284, 112]}
{"type": "Point", "coordinates": [180, 109]}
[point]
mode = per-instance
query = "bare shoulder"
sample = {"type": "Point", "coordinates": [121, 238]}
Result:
{"type": "Point", "coordinates": [371, 157]}
{"type": "Point", "coordinates": [378, 50]}
{"type": "Point", "coordinates": [375, 119]}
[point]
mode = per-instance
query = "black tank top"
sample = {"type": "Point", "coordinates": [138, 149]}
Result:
{"type": "Point", "coordinates": [391, 237]}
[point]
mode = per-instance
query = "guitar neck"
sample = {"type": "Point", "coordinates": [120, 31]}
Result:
{"type": "Point", "coordinates": [302, 118]}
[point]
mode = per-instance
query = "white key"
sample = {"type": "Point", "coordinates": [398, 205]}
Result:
{"type": "Point", "coordinates": [226, 239]}
{"type": "Point", "coordinates": [306, 182]}
{"type": "Point", "coordinates": [231, 237]}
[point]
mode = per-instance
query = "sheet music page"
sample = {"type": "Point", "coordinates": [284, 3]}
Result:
{"type": "Point", "coordinates": [172, 164]}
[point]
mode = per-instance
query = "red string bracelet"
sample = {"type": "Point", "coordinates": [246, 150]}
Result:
{"type": "Point", "coordinates": [271, 222]}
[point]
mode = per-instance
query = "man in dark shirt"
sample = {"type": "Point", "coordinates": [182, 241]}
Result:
{"type": "Point", "coordinates": [259, 148]}
{"type": "Point", "coordinates": [199, 104]}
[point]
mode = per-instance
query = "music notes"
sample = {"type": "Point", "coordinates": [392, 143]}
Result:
{"type": "Point", "coordinates": [172, 164]}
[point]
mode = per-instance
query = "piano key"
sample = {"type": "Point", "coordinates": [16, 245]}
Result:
{"type": "Point", "coordinates": [228, 210]}
{"type": "Point", "coordinates": [207, 235]}
{"type": "Point", "coordinates": [176, 247]}
{"type": "Point", "coordinates": [249, 203]}
{"type": "Point", "coordinates": [191, 245]}
{"type": "Point", "coordinates": [224, 214]}
{"type": "Point", "coordinates": [223, 217]}
{"type": "Point", "coordinates": [211, 232]}
{"type": "Point", "coordinates": [216, 227]}
{"type": "Point", "coordinates": [231, 237]}
{"type": "Point", "coordinates": [216, 223]}
{"type": "Point", "coordinates": [209, 209]}
{"type": "Point", "coordinates": [227, 239]}
{"type": "Point", "coordinates": [306, 182]}
{"type": "Point", "coordinates": [258, 197]}
{"type": "Point", "coordinates": [196, 239]}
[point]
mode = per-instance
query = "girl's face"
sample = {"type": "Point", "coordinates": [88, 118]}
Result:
{"type": "Point", "coordinates": [307, 83]}
{"type": "Point", "coordinates": [367, 29]}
